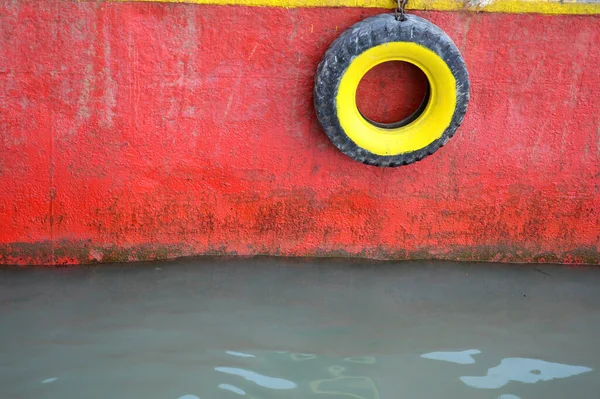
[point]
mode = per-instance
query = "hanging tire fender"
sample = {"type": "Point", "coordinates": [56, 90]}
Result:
{"type": "Point", "coordinates": [367, 44]}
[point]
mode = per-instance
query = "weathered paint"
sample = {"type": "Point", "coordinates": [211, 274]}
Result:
{"type": "Point", "coordinates": [507, 6]}
{"type": "Point", "coordinates": [143, 131]}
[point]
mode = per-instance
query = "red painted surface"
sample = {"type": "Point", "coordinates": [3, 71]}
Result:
{"type": "Point", "coordinates": [391, 91]}
{"type": "Point", "coordinates": [140, 131]}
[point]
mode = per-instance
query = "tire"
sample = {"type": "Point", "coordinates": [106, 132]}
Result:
{"type": "Point", "coordinates": [381, 39]}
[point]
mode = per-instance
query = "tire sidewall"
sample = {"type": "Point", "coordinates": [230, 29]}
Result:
{"type": "Point", "coordinates": [369, 33]}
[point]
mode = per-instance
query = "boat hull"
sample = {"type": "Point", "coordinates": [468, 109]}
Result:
{"type": "Point", "coordinates": [139, 131]}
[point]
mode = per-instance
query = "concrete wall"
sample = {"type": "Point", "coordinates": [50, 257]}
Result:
{"type": "Point", "coordinates": [132, 131]}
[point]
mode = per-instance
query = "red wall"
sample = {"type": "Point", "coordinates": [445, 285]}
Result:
{"type": "Point", "coordinates": [143, 131]}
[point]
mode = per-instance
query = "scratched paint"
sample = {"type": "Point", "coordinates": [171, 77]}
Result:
{"type": "Point", "coordinates": [506, 6]}
{"type": "Point", "coordinates": [479, 3]}
{"type": "Point", "coordinates": [147, 131]}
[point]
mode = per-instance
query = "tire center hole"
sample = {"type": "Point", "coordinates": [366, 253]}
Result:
{"type": "Point", "coordinates": [392, 92]}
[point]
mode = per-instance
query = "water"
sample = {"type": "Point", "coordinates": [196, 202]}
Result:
{"type": "Point", "coordinates": [272, 328]}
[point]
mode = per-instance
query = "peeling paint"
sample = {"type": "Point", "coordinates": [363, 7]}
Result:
{"type": "Point", "coordinates": [505, 6]}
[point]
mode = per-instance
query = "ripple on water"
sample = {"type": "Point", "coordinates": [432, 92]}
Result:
{"type": "Point", "coordinates": [232, 388]}
{"type": "Point", "coordinates": [239, 354]}
{"type": "Point", "coordinates": [259, 379]}
{"type": "Point", "coordinates": [524, 370]}
{"type": "Point", "coordinates": [463, 357]}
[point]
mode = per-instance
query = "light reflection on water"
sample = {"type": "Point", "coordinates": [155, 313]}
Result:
{"type": "Point", "coordinates": [331, 332]}
{"type": "Point", "coordinates": [338, 381]}
{"type": "Point", "coordinates": [232, 388]}
{"type": "Point", "coordinates": [258, 379]}
{"type": "Point", "coordinates": [464, 357]}
{"type": "Point", "coordinates": [239, 354]}
{"type": "Point", "coordinates": [528, 371]}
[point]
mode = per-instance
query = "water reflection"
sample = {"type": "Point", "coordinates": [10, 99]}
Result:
{"type": "Point", "coordinates": [232, 388]}
{"type": "Point", "coordinates": [524, 370]}
{"type": "Point", "coordinates": [518, 369]}
{"type": "Point", "coordinates": [464, 357]}
{"type": "Point", "coordinates": [315, 376]}
{"type": "Point", "coordinates": [259, 379]}
{"type": "Point", "coordinates": [359, 387]}
{"type": "Point", "coordinates": [302, 356]}
{"type": "Point", "coordinates": [239, 354]}
{"type": "Point", "coordinates": [361, 359]}
{"type": "Point", "coordinates": [341, 380]}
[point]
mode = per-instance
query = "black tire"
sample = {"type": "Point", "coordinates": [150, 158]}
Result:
{"type": "Point", "coordinates": [369, 33]}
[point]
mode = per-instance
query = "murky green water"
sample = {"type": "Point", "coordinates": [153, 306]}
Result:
{"type": "Point", "coordinates": [268, 328]}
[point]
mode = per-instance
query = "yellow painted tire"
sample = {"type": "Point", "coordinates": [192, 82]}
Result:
{"type": "Point", "coordinates": [382, 39]}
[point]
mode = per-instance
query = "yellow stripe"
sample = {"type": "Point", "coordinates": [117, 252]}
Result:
{"type": "Point", "coordinates": [507, 6]}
